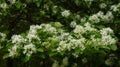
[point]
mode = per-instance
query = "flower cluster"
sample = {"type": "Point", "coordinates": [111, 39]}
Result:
{"type": "Point", "coordinates": [96, 18]}
{"type": "Point", "coordinates": [65, 13]}
{"type": "Point", "coordinates": [115, 8]}
{"type": "Point", "coordinates": [3, 5]}
{"type": "Point", "coordinates": [56, 38]}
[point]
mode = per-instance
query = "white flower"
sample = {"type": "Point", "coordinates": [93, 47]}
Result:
{"type": "Point", "coordinates": [48, 28]}
{"type": "Point", "coordinates": [65, 13]}
{"type": "Point", "coordinates": [115, 8]}
{"type": "Point", "coordinates": [29, 49]}
{"type": "Point", "coordinates": [94, 18]}
{"type": "Point", "coordinates": [12, 1]}
{"type": "Point", "coordinates": [100, 14]}
{"type": "Point", "coordinates": [73, 24]}
{"type": "Point", "coordinates": [83, 19]}
{"type": "Point", "coordinates": [64, 62]}
{"type": "Point", "coordinates": [4, 5]}
{"type": "Point", "coordinates": [77, 43]}
{"type": "Point", "coordinates": [13, 51]}
{"type": "Point", "coordinates": [55, 64]}
{"type": "Point", "coordinates": [3, 36]}
{"type": "Point", "coordinates": [102, 5]}
{"type": "Point", "coordinates": [32, 36]}
{"type": "Point", "coordinates": [108, 40]}
{"type": "Point", "coordinates": [79, 29]}
{"type": "Point", "coordinates": [75, 55]}
{"type": "Point", "coordinates": [35, 27]}
{"type": "Point", "coordinates": [109, 15]}
{"type": "Point", "coordinates": [106, 31]}
{"type": "Point", "coordinates": [88, 27]}
{"type": "Point", "coordinates": [64, 36]}
{"type": "Point", "coordinates": [78, 16]}
{"type": "Point", "coordinates": [17, 39]}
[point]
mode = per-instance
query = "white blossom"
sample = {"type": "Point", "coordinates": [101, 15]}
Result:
{"type": "Point", "coordinates": [94, 18]}
{"type": "Point", "coordinates": [79, 29]}
{"type": "Point", "coordinates": [108, 40]}
{"type": "Point", "coordinates": [55, 64]}
{"type": "Point", "coordinates": [73, 24]}
{"type": "Point", "coordinates": [102, 5]}
{"type": "Point", "coordinates": [17, 39]}
{"type": "Point", "coordinates": [48, 28]}
{"type": "Point", "coordinates": [65, 13]}
{"type": "Point", "coordinates": [83, 19]}
{"type": "Point", "coordinates": [13, 50]}
{"type": "Point", "coordinates": [12, 1]}
{"type": "Point", "coordinates": [4, 5]}
{"type": "Point", "coordinates": [3, 36]}
{"type": "Point", "coordinates": [88, 27]}
{"type": "Point", "coordinates": [100, 14]}
{"type": "Point", "coordinates": [115, 8]}
{"type": "Point", "coordinates": [64, 62]}
{"type": "Point", "coordinates": [29, 49]}
{"type": "Point", "coordinates": [106, 31]}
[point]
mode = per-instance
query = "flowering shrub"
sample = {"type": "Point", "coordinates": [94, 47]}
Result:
{"type": "Point", "coordinates": [62, 33]}
{"type": "Point", "coordinates": [56, 40]}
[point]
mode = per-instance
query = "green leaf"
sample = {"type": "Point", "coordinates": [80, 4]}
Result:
{"type": "Point", "coordinates": [113, 47]}
{"type": "Point", "coordinates": [52, 54]}
{"type": "Point", "coordinates": [42, 56]}
{"type": "Point", "coordinates": [26, 58]}
{"type": "Point", "coordinates": [40, 50]}
{"type": "Point", "coordinates": [18, 5]}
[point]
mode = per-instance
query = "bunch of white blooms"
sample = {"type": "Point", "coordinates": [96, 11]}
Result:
{"type": "Point", "coordinates": [48, 28]}
{"type": "Point", "coordinates": [106, 31]}
{"type": "Point", "coordinates": [29, 49]}
{"type": "Point", "coordinates": [65, 13]}
{"type": "Point", "coordinates": [62, 46]}
{"type": "Point", "coordinates": [13, 51]}
{"type": "Point", "coordinates": [17, 39]}
{"type": "Point", "coordinates": [2, 36]}
{"type": "Point", "coordinates": [83, 19]}
{"type": "Point", "coordinates": [108, 40]}
{"type": "Point", "coordinates": [65, 36]}
{"type": "Point", "coordinates": [102, 5]}
{"type": "Point", "coordinates": [106, 36]}
{"type": "Point", "coordinates": [79, 29]}
{"type": "Point", "coordinates": [109, 16]}
{"type": "Point", "coordinates": [77, 43]}
{"type": "Point", "coordinates": [73, 24]}
{"type": "Point", "coordinates": [4, 5]}
{"type": "Point", "coordinates": [100, 14]}
{"type": "Point", "coordinates": [88, 27]}
{"type": "Point", "coordinates": [115, 8]}
{"type": "Point", "coordinates": [67, 42]}
{"type": "Point", "coordinates": [32, 34]}
{"type": "Point", "coordinates": [94, 18]}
